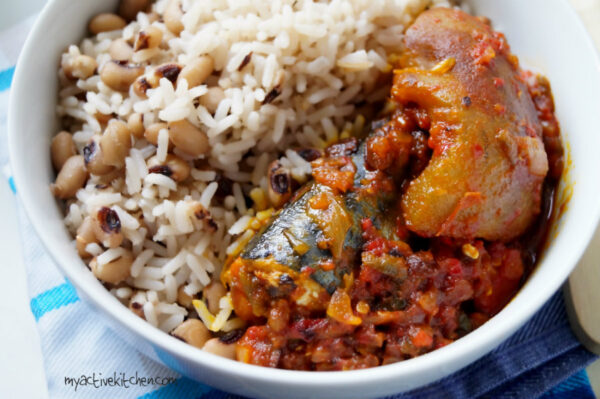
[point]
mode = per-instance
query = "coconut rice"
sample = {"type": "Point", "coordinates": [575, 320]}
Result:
{"type": "Point", "coordinates": [286, 75]}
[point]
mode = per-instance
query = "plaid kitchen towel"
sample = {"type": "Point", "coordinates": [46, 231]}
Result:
{"type": "Point", "coordinates": [543, 359]}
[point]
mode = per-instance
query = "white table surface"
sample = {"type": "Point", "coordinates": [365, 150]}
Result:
{"type": "Point", "coordinates": [21, 364]}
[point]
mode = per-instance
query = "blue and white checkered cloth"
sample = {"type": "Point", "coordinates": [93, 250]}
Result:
{"type": "Point", "coordinates": [543, 359]}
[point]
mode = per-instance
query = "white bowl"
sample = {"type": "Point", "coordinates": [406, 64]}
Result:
{"type": "Point", "coordinates": [545, 34]}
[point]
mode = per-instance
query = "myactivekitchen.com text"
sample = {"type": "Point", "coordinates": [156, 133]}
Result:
{"type": "Point", "coordinates": [99, 380]}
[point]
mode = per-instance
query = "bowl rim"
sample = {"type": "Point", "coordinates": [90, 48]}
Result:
{"type": "Point", "coordinates": [475, 345]}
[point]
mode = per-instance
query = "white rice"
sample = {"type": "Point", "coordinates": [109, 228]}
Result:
{"type": "Point", "coordinates": [311, 62]}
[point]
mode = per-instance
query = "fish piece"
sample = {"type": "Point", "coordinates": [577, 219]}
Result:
{"type": "Point", "coordinates": [486, 173]}
{"type": "Point", "coordinates": [310, 246]}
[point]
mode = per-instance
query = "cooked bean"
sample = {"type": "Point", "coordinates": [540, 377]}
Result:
{"type": "Point", "coordinates": [61, 149]}
{"type": "Point", "coordinates": [280, 184]}
{"type": "Point", "coordinates": [143, 84]}
{"type": "Point", "coordinates": [129, 9]}
{"type": "Point", "coordinates": [188, 138]}
{"type": "Point", "coordinates": [72, 177]}
{"type": "Point", "coordinates": [107, 228]}
{"type": "Point", "coordinates": [212, 293]}
{"type": "Point", "coordinates": [216, 347]}
{"type": "Point", "coordinates": [113, 272]}
{"type": "Point", "coordinates": [196, 71]}
{"type": "Point", "coordinates": [115, 143]}
{"type": "Point", "coordinates": [173, 167]}
{"type": "Point", "coordinates": [120, 75]}
{"type": "Point", "coordinates": [103, 118]}
{"type": "Point", "coordinates": [170, 71]}
{"type": "Point", "coordinates": [183, 298]}
{"type": "Point", "coordinates": [135, 123]}
{"type": "Point", "coordinates": [153, 17]}
{"type": "Point", "coordinates": [192, 331]}
{"type": "Point", "coordinates": [120, 50]}
{"type": "Point", "coordinates": [137, 308]}
{"type": "Point", "coordinates": [106, 22]}
{"type": "Point", "coordinates": [149, 38]}
{"type": "Point", "coordinates": [172, 17]}
{"type": "Point", "coordinates": [94, 159]}
{"type": "Point", "coordinates": [85, 235]}
{"type": "Point", "coordinates": [212, 98]}
{"type": "Point", "coordinates": [79, 66]}
{"type": "Point", "coordinates": [151, 133]}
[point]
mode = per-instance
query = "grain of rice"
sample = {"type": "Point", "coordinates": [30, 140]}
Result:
{"type": "Point", "coordinates": [158, 249]}
{"type": "Point", "coordinates": [148, 284]}
{"type": "Point", "coordinates": [127, 221]}
{"type": "Point", "coordinates": [93, 249]}
{"type": "Point", "coordinates": [140, 261]}
{"type": "Point", "coordinates": [150, 314]}
{"type": "Point", "coordinates": [132, 176]}
{"type": "Point", "coordinates": [203, 175]}
{"type": "Point", "coordinates": [197, 269]}
{"type": "Point", "coordinates": [109, 255]}
{"type": "Point", "coordinates": [163, 145]}
{"type": "Point", "coordinates": [240, 226]}
{"type": "Point", "coordinates": [161, 181]}
{"type": "Point", "coordinates": [171, 322]}
{"type": "Point", "coordinates": [152, 296]}
{"type": "Point", "coordinates": [123, 292]}
{"type": "Point", "coordinates": [170, 288]}
{"type": "Point", "coordinates": [171, 308]}
{"type": "Point", "coordinates": [192, 288]}
{"type": "Point", "coordinates": [175, 263]}
{"type": "Point", "coordinates": [240, 202]}
{"type": "Point", "coordinates": [208, 193]}
{"type": "Point", "coordinates": [222, 125]}
{"type": "Point", "coordinates": [154, 273]}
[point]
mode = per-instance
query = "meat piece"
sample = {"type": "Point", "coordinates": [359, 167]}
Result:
{"type": "Point", "coordinates": [488, 165]}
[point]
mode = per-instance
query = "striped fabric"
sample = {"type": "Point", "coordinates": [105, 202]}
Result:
{"type": "Point", "coordinates": [76, 342]}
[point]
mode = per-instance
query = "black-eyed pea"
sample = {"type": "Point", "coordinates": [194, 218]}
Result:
{"type": "Point", "coordinates": [106, 22]}
{"type": "Point", "coordinates": [129, 9]}
{"type": "Point", "coordinates": [61, 149]}
{"type": "Point", "coordinates": [135, 123]}
{"type": "Point", "coordinates": [188, 138]}
{"type": "Point", "coordinates": [107, 228]}
{"type": "Point", "coordinates": [212, 294]}
{"type": "Point", "coordinates": [103, 119]}
{"type": "Point", "coordinates": [172, 17]}
{"type": "Point", "coordinates": [149, 38]}
{"type": "Point", "coordinates": [219, 348]}
{"type": "Point", "coordinates": [169, 71]}
{"type": "Point", "coordinates": [120, 50]}
{"type": "Point", "coordinates": [197, 70]}
{"type": "Point", "coordinates": [72, 177]}
{"type": "Point", "coordinates": [144, 83]}
{"type": "Point", "coordinates": [85, 235]}
{"type": "Point", "coordinates": [151, 132]}
{"type": "Point", "coordinates": [173, 167]}
{"type": "Point", "coordinates": [115, 271]}
{"type": "Point", "coordinates": [280, 184]}
{"type": "Point", "coordinates": [183, 298]}
{"type": "Point", "coordinates": [79, 66]}
{"type": "Point", "coordinates": [212, 98]}
{"type": "Point", "coordinates": [94, 159]}
{"type": "Point", "coordinates": [137, 308]}
{"type": "Point", "coordinates": [119, 75]}
{"type": "Point", "coordinates": [193, 332]}
{"type": "Point", "coordinates": [115, 143]}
